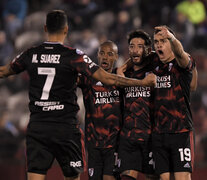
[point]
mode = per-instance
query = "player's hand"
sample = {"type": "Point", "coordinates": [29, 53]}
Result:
{"type": "Point", "coordinates": [150, 80]}
{"type": "Point", "coordinates": [165, 33]}
{"type": "Point", "coordinates": [120, 70]}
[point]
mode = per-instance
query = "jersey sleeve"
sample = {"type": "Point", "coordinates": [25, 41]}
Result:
{"type": "Point", "coordinates": [193, 63]}
{"type": "Point", "coordinates": [83, 64]}
{"type": "Point", "coordinates": [82, 81]}
{"type": "Point", "coordinates": [19, 62]}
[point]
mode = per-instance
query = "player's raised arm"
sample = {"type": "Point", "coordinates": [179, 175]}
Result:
{"type": "Point", "coordinates": [193, 84]}
{"type": "Point", "coordinates": [181, 56]}
{"type": "Point", "coordinates": [6, 71]}
{"type": "Point", "coordinates": [112, 79]}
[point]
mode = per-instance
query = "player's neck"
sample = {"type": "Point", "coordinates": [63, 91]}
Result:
{"type": "Point", "coordinates": [168, 59]}
{"type": "Point", "coordinates": [138, 67]}
{"type": "Point", "coordinates": [56, 38]}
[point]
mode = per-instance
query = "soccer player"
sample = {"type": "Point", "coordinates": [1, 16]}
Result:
{"type": "Point", "coordinates": [135, 151]}
{"type": "Point", "coordinates": [53, 130]}
{"type": "Point", "coordinates": [173, 145]}
{"type": "Point", "coordinates": [102, 118]}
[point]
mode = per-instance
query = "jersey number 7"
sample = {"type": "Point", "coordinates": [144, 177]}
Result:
{"type": "Point", "coordinates": [50, 73]}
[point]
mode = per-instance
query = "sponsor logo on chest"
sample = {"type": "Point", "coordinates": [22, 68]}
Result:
{"type": "Point", "coordinates": [107, 97]}
{"type": "Point", "coordinates": [163, 82]}
{"type": "Point", "coordinates": [132, 92]}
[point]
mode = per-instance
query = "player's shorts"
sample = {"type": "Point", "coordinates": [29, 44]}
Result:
{"type": "Point", "coordinates": [173, 152]}
{"type": "Point", "coordinates": [135, 155]}
{"type": "Point", "coordinates": [46, 141]}
{"type": "Point", "coordinates": [101, 161]}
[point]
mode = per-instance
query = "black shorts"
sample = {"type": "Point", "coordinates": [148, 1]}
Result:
{"type": "Point", "coordinates": [136, 155]}
{"type": "Point", "coordinates": [173, 152]}
{"type": "Point", "coordinates": [46, 141]}
{"type": "Point", "coordinates": [101, 161]}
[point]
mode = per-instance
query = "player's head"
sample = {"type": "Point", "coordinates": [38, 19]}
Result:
{"type": "Point", "coordinates": [139, 46]}
{"type": "Point", "coordinates": [56, 22]}
{"type": "Point", "coordinates": [162, 46]}
{"type": "Point", "coordinates": [107, 55]}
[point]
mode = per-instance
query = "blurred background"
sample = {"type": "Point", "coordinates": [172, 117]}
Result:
{"type": "Point", "coordinates": [90, 23]}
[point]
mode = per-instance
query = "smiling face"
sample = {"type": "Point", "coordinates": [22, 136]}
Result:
{"type": "Point", "coordinates": [163, 48]}
{"type": "Point", "coordinates": [137, 50]}
{"type": "Point", "coordinates": [107, 55]}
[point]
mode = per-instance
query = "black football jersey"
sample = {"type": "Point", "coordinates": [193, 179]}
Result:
{"type": "Point", "coordinates": [53, 70]}
{"type": "Point", "coordinates": [103, 112]}
{"type": "Point", "coordinates": [137, 122]}
{"type": "Point", "coordinates": [172, 112]}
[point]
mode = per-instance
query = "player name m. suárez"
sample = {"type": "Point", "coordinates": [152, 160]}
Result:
{"type": "Point", "coordinates": [47, 58]}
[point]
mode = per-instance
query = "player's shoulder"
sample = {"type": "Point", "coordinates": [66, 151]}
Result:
{"type": "Point", "coordinates": [153, 59]}
{"type": "Point", "coordinates": [28, 51]}
{"type": "Point", "coordinates": [33, 49]}
{"type": "Point", "coordinates": [74, 50]}
{"type": "Point", "coordinates": [153, 55]}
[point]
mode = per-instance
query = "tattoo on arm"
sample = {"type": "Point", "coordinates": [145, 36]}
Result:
{"type": "Point", "coordinates": [122, 81]}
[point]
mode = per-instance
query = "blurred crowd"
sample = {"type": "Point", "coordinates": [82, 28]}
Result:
{"type": "Point", "coordinates": [90, 23]}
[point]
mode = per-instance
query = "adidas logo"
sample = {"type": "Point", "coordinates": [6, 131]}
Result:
{"type": "Point", "coordinates": [157, 68]}
{"type": "Point", "coordinates": [187, 165]}
{"type": "Point", "coordinates": [99, 83]}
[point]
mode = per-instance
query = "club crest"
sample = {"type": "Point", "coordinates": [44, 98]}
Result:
{"type": "Point", "coordinates": [90, 171]}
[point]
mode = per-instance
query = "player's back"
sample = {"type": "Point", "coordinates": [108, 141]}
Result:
{"type": "Point", "coordinates": [53, 70]}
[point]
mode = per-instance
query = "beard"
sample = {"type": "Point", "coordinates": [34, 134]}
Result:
{"type": "Point", "coordinates": [139, 63]}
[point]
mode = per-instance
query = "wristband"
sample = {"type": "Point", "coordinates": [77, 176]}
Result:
{"type": "Point", "coordinates": [172, 38]}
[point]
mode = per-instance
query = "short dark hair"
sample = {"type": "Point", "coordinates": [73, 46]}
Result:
{"type": "Point", "coordinates": [56, 21]}
{"type": "Point", "coordinates": [140, 34]}
{"type": "Point", "coordinates": [168, 28]}
{"type": "Point", "coordinates": [109, 42]}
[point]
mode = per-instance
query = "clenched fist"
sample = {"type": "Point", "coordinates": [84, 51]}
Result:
{"type": "Point", "coordinates": [150, 80]}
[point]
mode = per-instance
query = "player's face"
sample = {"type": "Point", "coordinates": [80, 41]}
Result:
{"type": "Point", "coordinates": [137, 50]}
{"type": "Point", "coordinates": [107, 55]}
{"type": "Point", "coordinates": [163, 48]}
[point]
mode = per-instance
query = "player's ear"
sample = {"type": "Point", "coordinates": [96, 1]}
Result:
{"type": "Point", "coordinates": [117, 56]}
{"type": "Point", "coordinates": [65, 31]}
{"type": "Point", "coordinates": [147, 50]}
{"type": "Point", "coordinates": [45, 28]}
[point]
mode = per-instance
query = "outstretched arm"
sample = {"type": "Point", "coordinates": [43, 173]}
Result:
{"type": "Point", "coordinates": [6, 71]}
{"type": "Point", "coordinates": [181, 56]}
{"type": "Point", "coordinates": [193, 84]}
{"type": "Point", "coordinates": [112, 79]}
